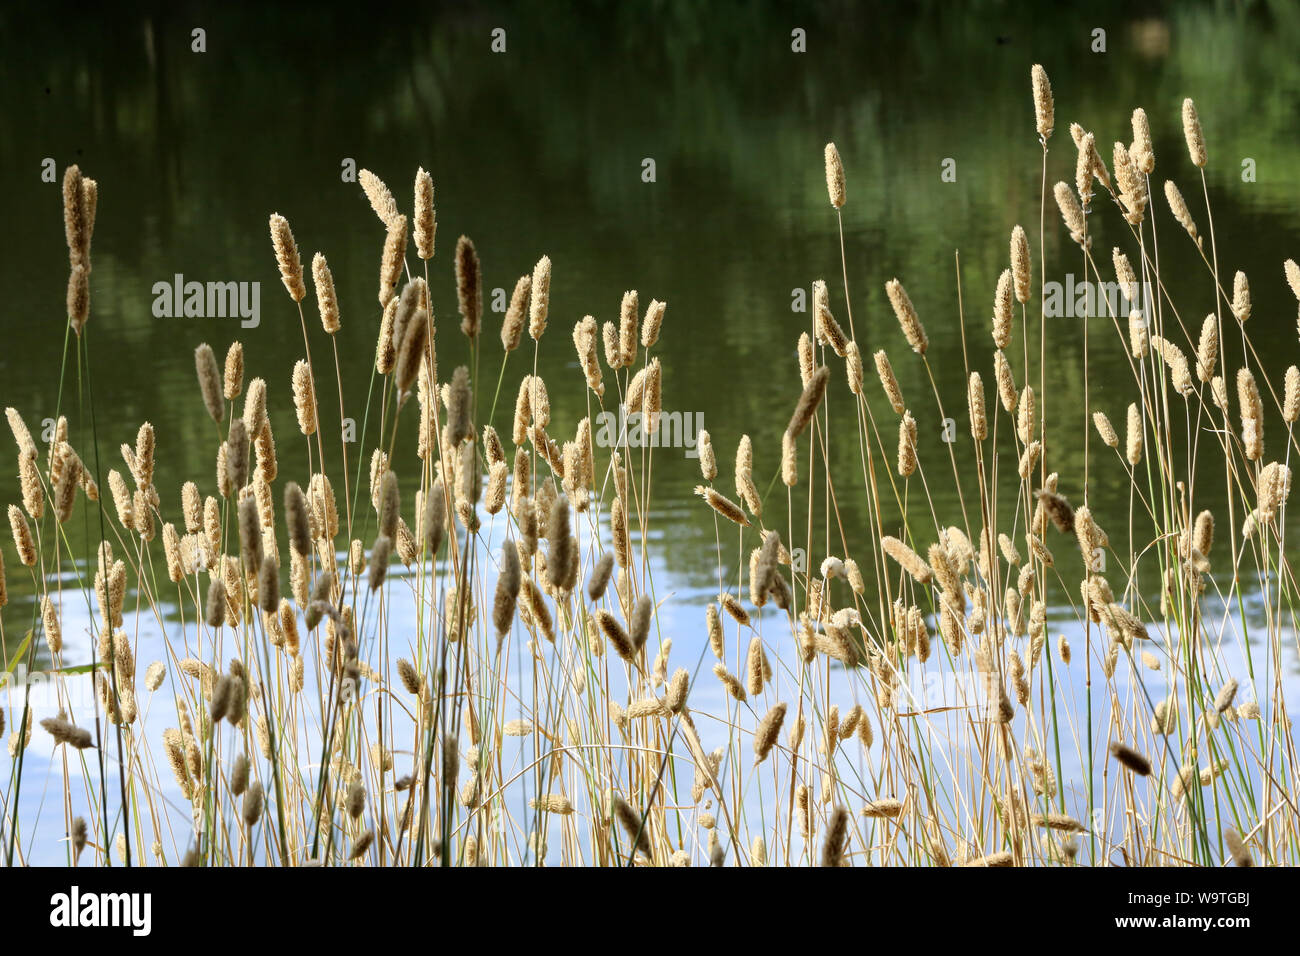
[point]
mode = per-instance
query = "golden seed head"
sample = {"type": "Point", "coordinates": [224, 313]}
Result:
{"type": "Point", "coordinates": [205, 363]}
{"type": "Point", "coordinates": [908, 559]}
{"type": "Point", "coordinates": [1085, 163]}
{"type": "Point", "coordinates": [254, 413]}
{"type": "Point", "coordinates": [708, 461]}
{"type": "Point", "coordinates": [652, 323]}
{"type": "Point", "coordinates": [381, 198]}
{"type": "Point", "coordinates": [745, 487]}
{"type": "Point", "coordinates": [609, 335]}
{"type": "Point", "coordinates": [1179, 372]}
{"type": "Point", "coordinates": [1132, 186]}
{"type": "Point", "coordinates": [979, 425]}
{"type": "Point", "coordinates": [835, 176]}
{"type": "Point", "coordinates": [907, 318]}
{"type": "Point", "coordinates": [426, 223]}
{"type": "Point", "coordinates": [1044, 113]}
{"type": "Point", "coordinates": [1072, 214]}
{"type": "Point", "coordinates": [1240, 297]}
{"type": "Point", "coordinates": [326, 300]}
{"type": "Point", "coordinates": [540, 303]}
{"type": "Point", "coordinates": [808, 402]}
{"type": "Point", "coordinates": [829, 332]}
{"type": "Point", "coordinates": [286, 257]}
{"type": "Point", "coordinates": [1133, 444]}
{"type": "Point", "coordinates": [1292, 272]}
{"type": "Point", "coordinates": [76, 225]}
{"type": "Point", "coordinates": [469, 288]}
{"type": "Point", "coordinates": [889, 382]}
{"type": "Point", "coordinates": [304, 397]}
{"type": "Point", "coordinates": [1006, 381]}
{"type": "Point", "coordinates": [584, 341]}
{"type": "Point", "coordinates": [1291, 401]}
{"type": "Point", "coordinates": [22, 436]}
{"type": "Point", "coordinates": [837, 831]}
{"type": "Point", "coordinates": [1237, 848]}
{"type": "Point", "coordinates": [907, 445]}
{"type": "Point", "coordinates": [1020, 269]}
{"type": "Point", "coordinates": [24, 544]}
{"type": "Point", "coordinates": [78, 299]}
{"type": "Point", "coordinates": [627, 329]}
{"type": "Point", "coordinates": [1141, 151]}
{"type": "Point", "coordinates": [1192, 132]}
{"type": "Point", "coordinates": [1207, 350]}
{"type": "Point", "coordinates": [1002, 314]}
{"type": "Point", "coordinates": [1129, 758]}
{"type": "Point", "coordinates": [853, 367]}
{"type": "Point", "coordinates": [29, 479]}
{"type": "Point", "coordinates": [722, 505]}
{"type": "Point", "coordinates": [65, 732]}
{"type": "Point", "coordinates": [393, 260]}
{"type": "Point", "coordinates": [1105, 429]}
{"type": "Point", "coordinates": [512, 327]}
{"type": "Point", "coordinates": [1139, 339]}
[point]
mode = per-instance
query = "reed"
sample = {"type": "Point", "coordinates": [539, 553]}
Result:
{"type": "Point", "coordinates": [480, 669]}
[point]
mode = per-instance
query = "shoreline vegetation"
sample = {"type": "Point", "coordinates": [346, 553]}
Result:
{"type": "Point", "coordinates": [467, 666]}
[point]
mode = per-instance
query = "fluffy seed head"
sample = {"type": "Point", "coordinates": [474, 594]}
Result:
{"type": "Point", "coordinates": [304, 397]}
{"type": "Point", "coordinates": [835, 176]}
{"type": "Point", "coordinates": [1133, 444]}
{"type": "Point", "coordinates": [889, 382]}
{"type": "Point", "coordinates": [426, 223]}
{"type": "Point", "coordinates": [205, 363]}
{"type": "Point", "coordinates": [1105, 429]}
{"type": "Point", "coordinates": [1020, 269]}
{"type": "Point", "coordinates": [1129, 758]}
{"type": "Point", "coordinates": [66, 732]}
{"type": "Point", "coordinates": [512, 328]}
{"type": "Point", "coordinates": [1207, 351]}
{"type": "Point", "coordinates": [469, 288]}
{"type": "Point", "coordinates": [1178, 206]}
{"type": "Point", "coordinates": [708, 460]}
{"type": "Point", "coordinates": [286, 257]}
{"type": "Point", "coordinates": [1240, 297]}
{"type": "Point", "coordinates": [540, 304]}
{"type": "Point", "coordinates": [909, 560]}
{"type": "Point", "coordinates": [237, 448]}
{"type": "Point", "coordinates": [652, 323]}
{"type": "Point", "coordinates": [808, 402]}
{"type": "Point", "coordinates": [507, 591]}
{"type": "Point", "coordinates": [1072, 214]}
{"type": "Point", "coordinates": [1291, 401]}
{"type": "Point", "coordinates": [907, 318]}
{"type": "Point", "coordinates": [906, 445]}
{"type": "Point", "coordinates": [979, 425]}
{"type": "Point", "coordinates": [1044, 112]}
{"type": "Point", "coordinates": [1192, 132]}
{"type": "Point", "coordinates": [1292, 272]}
{"type": "Point", "coordinates": [1144, 156]}
{"type": "Point", "coordinates": [837, 832]}
{"type": "Point", "coordinates": [326, 300]}
{"type": "Point", "coordinates": [381, 198]}
{"type": "Point", "coordinates": [1002, 316]}
{"type": "Point", "coordinates": [393, 260]}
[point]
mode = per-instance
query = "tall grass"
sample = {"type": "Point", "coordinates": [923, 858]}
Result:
{"type": "Point", "coordinates": [474, 665]}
